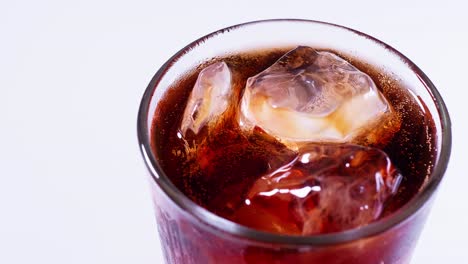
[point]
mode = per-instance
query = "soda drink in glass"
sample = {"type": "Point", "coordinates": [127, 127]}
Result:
{"type": "Point", "coordinates": [194, 230]}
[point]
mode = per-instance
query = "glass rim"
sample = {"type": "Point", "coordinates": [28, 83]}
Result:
{"type": "Point", "coordinates": [214, 223]}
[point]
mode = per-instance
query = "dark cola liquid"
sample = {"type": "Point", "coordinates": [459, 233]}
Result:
{"type": "Point", "coordinates": [229, 162]}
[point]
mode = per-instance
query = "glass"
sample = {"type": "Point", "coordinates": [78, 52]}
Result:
{"type": "Point", "coordinates": [191, 234]}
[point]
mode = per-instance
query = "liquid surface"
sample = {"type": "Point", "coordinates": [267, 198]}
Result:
{"type": "Point", "coordinates": [228, 164]}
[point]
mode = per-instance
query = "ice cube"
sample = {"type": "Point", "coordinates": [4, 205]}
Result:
{"type": "Point", "coordinates": [209, 98]}
{"type": "Point", "coordinates": [312, 96]}
{"type": "Point", "coordinates": [326, 188]}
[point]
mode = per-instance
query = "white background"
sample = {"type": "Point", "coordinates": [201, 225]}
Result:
{"type": "Point", "coordinates": [73, 187]}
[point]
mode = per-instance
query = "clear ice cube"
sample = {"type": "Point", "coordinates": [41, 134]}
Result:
{"type": "Point", "coordinates": [311, 96]}
{"type": "Point", "coordinates": [326, 188]}
{"type": "Point", "coordinates": [210, 97]}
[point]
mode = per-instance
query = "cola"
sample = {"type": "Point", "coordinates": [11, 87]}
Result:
{"type": "Point", "coordinates": [234, 167]}
{"type": "Point", "coordinates": [231, 160]}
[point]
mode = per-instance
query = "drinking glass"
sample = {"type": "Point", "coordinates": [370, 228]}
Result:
{"type": "Point", "coordinates": [192, 234]}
